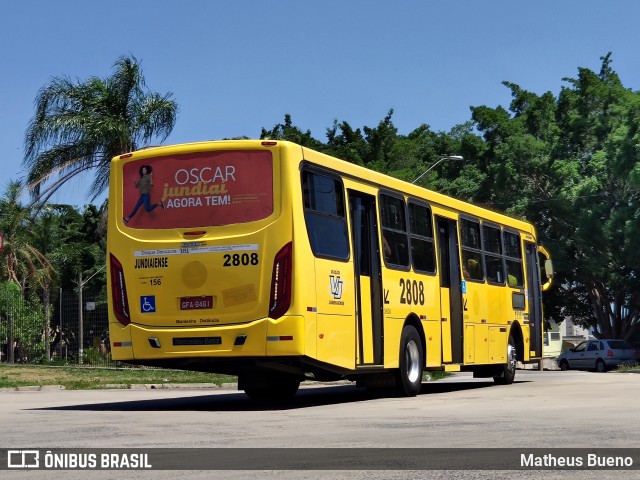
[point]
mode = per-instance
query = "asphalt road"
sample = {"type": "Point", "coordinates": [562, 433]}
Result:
{"type": "Point", "coordinates": [541, 410]}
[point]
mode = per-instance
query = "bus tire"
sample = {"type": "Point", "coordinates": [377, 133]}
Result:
{"type": "Point", "coordinates": [508, 371]}
{"type": "Point", "coordinates": [409, 375]}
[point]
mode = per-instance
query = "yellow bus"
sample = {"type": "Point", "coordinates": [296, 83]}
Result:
{"type": "Point", "coordinates": [279, 264]}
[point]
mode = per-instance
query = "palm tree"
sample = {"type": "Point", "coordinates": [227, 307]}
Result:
{"type": "Point", "coordinates": [24, 264]}
{"type": "Point", "coordinates": [81, 126]}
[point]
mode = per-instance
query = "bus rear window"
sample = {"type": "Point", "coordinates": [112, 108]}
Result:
{"type": "Point", "coordinates": [198, 189]}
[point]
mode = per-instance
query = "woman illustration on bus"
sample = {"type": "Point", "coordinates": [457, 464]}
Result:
{"type": "Point", "coordinates": [144, 184]}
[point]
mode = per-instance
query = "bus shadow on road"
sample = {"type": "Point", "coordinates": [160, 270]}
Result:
{"type": "Point", "coordinates": [237, 401]}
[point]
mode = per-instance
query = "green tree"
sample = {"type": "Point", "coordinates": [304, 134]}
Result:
{"type": "Point", "coordinates": [381, 141]}
{"type": "Point", "coordinates": [23, 262]}
{"type": "Point", "coordinates": [459, 179]}
{"type": "Point", "coordinates": [73, 243]}
{"type": "Point", "coordinates": [568, 164]}
{"type": "Point", "coordinates": [25, 271]}
{"type": "Point", "coordinates": [346, 143]}
{"type": "Point", "coordinates": [288, 131]}
{"type": "Point", "coordinates": [22, 324]}
{"type": "Point", "coordinates": [80, 126]}
{"type": "Point", "coordinates": [82, 250]}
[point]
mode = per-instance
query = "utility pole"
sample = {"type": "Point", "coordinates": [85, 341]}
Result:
{"type": "Point", "coordinates": [81, 285]}
{"type": "Point", "coordinates": [81, 319]}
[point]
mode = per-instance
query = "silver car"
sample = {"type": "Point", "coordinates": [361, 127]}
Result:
{"type": "Point", "coordinates": [598, 355]}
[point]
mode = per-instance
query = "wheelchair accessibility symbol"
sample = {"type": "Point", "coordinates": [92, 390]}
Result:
{"type": "Point", "coordinates": [148, 304]}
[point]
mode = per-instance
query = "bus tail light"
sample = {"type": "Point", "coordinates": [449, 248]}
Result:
{"type": "Point", "coordinates": [280, 298]}
{"type": "Point", "coordinates": [119, 291]}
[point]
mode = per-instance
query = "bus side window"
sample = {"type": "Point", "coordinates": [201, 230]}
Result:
{"type": "Point", "coordinates": [472, 268]}
{"type": "Point", "coordinates": [395, 241]}
{"type": "Point", "coordinates": [421, 232]}
{"type": "Point", "coordinates": [493, 258]}
{"type": "Point", "coordinates": [513, 259]}
{"type": "Point", "coordinates": [324, 214]}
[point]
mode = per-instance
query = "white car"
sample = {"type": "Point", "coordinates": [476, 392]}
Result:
{"type": "Point", "coordinates": [598, 355]}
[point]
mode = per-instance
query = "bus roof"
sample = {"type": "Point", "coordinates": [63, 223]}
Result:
{"type": "Point", "coordinates": [344, 168]}
{"type": "Point", "coordinates": [387, 182]}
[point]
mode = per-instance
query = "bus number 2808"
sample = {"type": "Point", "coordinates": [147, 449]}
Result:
{"type": "Point", "coordinates": [412, 292]}
{"type": "Point", "coordinates": [237, 259]}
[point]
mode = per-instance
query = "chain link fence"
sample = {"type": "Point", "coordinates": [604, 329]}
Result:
{"type": "Point", "coordinates": [65, 327]}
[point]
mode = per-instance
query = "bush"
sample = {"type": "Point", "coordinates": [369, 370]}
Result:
{"type": "Point", "coordinates": [23, 320]}
{"type": "Point", "coordinates": [93, 356]}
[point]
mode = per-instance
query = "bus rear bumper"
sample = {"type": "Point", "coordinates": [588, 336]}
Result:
{"type": "Point", "coordinates": [264, 337]}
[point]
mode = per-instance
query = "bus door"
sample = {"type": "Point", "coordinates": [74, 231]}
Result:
{"type": "Point", "coordinates": [534, 295]}
{"type": "Point", "coordinates": [450, 290]}
{"type": "Point", "coordinates": [368, 279]}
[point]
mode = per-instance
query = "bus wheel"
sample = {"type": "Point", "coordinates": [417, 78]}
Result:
{"type": "Point", "coordinates": [508, 372]}
{"type": "Point", "coordinates": [270, 388]}
{"type": "Point", "coordinates": [409, 375]}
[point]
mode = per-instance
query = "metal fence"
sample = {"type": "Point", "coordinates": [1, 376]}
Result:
{"type": "Point", "coordinates": [70, 328]}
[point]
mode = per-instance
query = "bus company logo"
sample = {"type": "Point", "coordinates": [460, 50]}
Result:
{"type": "Point", "coordinates": [23, 459]}
{"type": "Point", "coordinates": [336, 284]}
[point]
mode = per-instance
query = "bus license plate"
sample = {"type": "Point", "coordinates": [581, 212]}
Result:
{"type": "Point", "coordinates": [196, 303]}
{"type": "Point", "coordinates": [195, 341]}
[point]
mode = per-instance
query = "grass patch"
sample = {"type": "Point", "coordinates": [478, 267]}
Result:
{"type": "Point", "coordinates": [625, 367]}
{"type": "Point", "coordinates": [435, 375]}
{"type": "Point", "coordinates": [93, 378]}
{"type": "Point", "coordinates": [83, 378]}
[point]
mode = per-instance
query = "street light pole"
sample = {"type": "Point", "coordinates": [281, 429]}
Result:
{"type": "Point", "coordinates": [450, 157]}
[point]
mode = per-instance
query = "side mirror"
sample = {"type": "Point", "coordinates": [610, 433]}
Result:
{"type": "Point", "coordinates": [548, 268]}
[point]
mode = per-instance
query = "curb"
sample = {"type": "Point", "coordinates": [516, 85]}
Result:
{"type": "Point", "coordinates": [135, 386]}
{"type": "Point", "coordinates": [34, 388]}
{"type": "Point", "coordinates": [174, 386]}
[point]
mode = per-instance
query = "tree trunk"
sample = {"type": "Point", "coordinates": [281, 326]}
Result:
{"type": "Point", "coordinates": [46, 301]}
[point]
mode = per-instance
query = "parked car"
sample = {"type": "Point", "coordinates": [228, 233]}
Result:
{"type": "Point", "coordinates": [598, 355]}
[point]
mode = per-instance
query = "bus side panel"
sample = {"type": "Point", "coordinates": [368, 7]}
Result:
{"type": "Point", "coordinates": [469, 343]}
{"type": "Point", "coordinates": [392, 333]}
{"type": "Point", "coordinates": [409, 293]}
{"type": "Point", "coordinates": [304, 287]}
{"type": "Point", "coordinates": [476, 312]}
{"type": "Point", "coordinates": [431, 310]}
{"type": "Point", "coordinates": [304, 278]}
{"type": "Point", "coordinates": [481, 340]}
{"type": "Point", "coordinates": [445, 325]}
{"type": "Point", "coordinates": [120, 340]}
{"type": "Point", "coordinates": [394, 283]}
{"type": "Point", "coordinates": [286, 336]}
{"type": "Point", "coordinates": [498, 338]}
{"type": "Point", "coordinates": [365, 331]}
{"type": "Point", "coordinates": [294, 333]}
{"type": "Point", "coordinates": [336, 330]}
{"type": "Point", "coordinates": [432, 332]}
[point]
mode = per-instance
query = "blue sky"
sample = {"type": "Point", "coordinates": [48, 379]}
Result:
{"type": "Point", "coordinates": [236, 66]}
